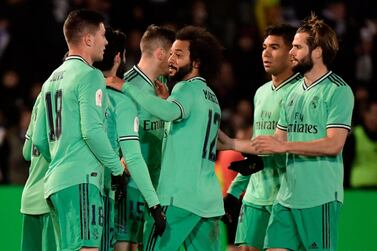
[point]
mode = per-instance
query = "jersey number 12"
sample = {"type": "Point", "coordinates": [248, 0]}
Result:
{"type": "Point", "coordinates": [213, 119]}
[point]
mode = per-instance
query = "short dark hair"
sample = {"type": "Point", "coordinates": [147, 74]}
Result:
{"type": "Point", "coordinates": [156, 36]}
{"type": "Point", "coordinates": [286, 31]}
{"type": "Point", "coordinates": [204, 48]}
{"type": "Point", "coordinates": [320, 35]}
{"type": "Point", "coordinates": [80, 21]}
{"type": "Point", "coordinates": [116, 44]}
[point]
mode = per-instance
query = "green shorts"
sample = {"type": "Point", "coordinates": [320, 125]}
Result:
{"type": "Point", "coordinates": [252, 225]}
{"type": "Point", "coordinates": [183, 229]}
{"type": "Point", "coordinates": [108, 232]}
{"type": "Point", "coordinates": [37, 233]}
{"type": "Point", "coordinates": [78, 216]}
{"type": "Point", "coordinates": [312, 228]}
{"type": "Point", "coordinates": [129, 217]}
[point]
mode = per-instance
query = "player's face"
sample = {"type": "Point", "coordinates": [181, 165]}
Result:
{"type": "Point", "coordinates": [99, 43]}
{"type": "Point", "coordinates": [301, 54]}
{"type": "Point", "coordinates": [275, 55]}
{"type": "Point", "coordinates": [180, 64]}
{"type": "Point", "coordinates": [165, 54]}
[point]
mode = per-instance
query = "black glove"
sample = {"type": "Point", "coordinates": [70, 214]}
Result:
{"type": "Point", "coordinates": [248, 166]}
{"type": "Point", "coordinates": [232, 208]}
{"type": "Point", "coordinates": [159, 219]}
{"type": "Point", "coordinates": [119, 185]}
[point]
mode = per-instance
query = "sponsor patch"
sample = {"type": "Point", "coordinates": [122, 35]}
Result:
{"type": "Point", "coordinates": [136, 124]}
{"type": "Point", "coordinates": [99, 97]}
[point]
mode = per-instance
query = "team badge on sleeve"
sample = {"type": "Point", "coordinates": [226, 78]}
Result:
{"type": "Point", "coordinates": [99, 97]}
{"type": "Point", "coordinates": [136, 124]}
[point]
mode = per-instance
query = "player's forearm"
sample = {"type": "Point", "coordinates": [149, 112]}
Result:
{"type": "Point", "coordinates": [163, 109]}
{"type": "Point", "coordinates": [139, 171]}
{"type": "Point", "coordinates": [321, 147]}
{"type": "Point", "coordinates": [243, 146]}
{"type": "Point", "coordinates": [99, 144]}
{"type": "Point", "coordinates": [238, 185]}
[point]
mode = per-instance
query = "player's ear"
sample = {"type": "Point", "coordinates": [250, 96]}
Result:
{"type": "Point", "coordinates": [317, 52]}
{"type": "Point", "coordinates": [196, 64]}
{"type": "Point", "coordinates": [88, 39]}
{"type": "Point", "coordinates": [158, 53]}
{"type": "Point", "coordinates": [117, 58]}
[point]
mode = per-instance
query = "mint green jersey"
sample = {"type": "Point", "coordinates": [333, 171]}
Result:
{"type": "Point", "coordinates": [263, 186]}
{"type": "Point", "coordinates": [151, 128]}
{"type": "Point", "coordinates": [306, 115]}
{"type": "Point", "coordinates": [32, 200]}
{"type": "Point", "coordinates": [187, 178]}
{"type": "Point", "coordinates": [123, 130]}
{"type": "Point", "coordinates": [71, 127]}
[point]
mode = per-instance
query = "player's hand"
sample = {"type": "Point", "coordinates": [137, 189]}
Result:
{"type": "Point", "coordinates": [224, 142]}
{"type": "Point", "coordinates": [231, 207]}
{"type": "Point", "coordinates": [251, 164]}
{"type": "Point", "coordinates": [159, 219]}
{"type": "Point", "coordinates": [268, 145]}
{"type": "Point", "coordinates": [118, 184]}
{"type": "Point", "coordinates": [115, 82]}
{"type": "Point", "coordinates": [124, 164]}
{"type": "Point", "coordinates": [161, 89]}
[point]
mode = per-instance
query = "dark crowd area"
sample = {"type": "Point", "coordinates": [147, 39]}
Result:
{"type": "Point", "coordinates": [32, 46]}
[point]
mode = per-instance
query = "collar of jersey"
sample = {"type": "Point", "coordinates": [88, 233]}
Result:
{"type": "Point", "coordinates": [306, 88]}
{"type": "Point", "coordinates": [78, 58]}
{"type": "Point", "coordinates": [137, 69]}
{"type": "Point", "coordinates": [196, 78]}
{"type": "Point", "coordinates": [284, 82]}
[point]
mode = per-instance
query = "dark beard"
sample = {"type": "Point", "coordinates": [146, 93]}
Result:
{"type": "Point", "coordinates": [181, 73]}
{"type": "Point", "coordinates": [121, 69]}
{"type": "Point", "coordinates": [303, 66]}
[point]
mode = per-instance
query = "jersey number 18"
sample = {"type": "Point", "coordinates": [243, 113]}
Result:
{"type": "Point", "coordinates": [55, 128]}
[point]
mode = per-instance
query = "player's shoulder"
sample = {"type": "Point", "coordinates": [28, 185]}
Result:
{"type": "Point", "coordinates": [120, 98]}
{"type": "Point", "coordinates": [266, 86]}
{"type": "Point", "coordinates": [130, 75]}
{"type": "Point", "coordinates": [191, 83]}
{"type": "Point", "coordinates": [336, 81]}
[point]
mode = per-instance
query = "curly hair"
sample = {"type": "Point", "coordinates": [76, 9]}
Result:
{"type": "Point", "coordinates": [204, 48]}
{"type": "Point", "coordinates": [320, 35]}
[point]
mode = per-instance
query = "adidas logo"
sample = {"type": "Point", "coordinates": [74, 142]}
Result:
{"type": "Point", "coordinates": [313, 246]}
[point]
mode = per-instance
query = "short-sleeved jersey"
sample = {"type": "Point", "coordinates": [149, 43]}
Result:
{"type": "Point", "coordinates": [151, 128]}
{"type": "Point", "coordinates": [71, 127]}
{"type": "Point", "coordinates": [306, 115]}
{"type": "Point", "coordinates": [123, 129]}
{"type": "Point", "coordinates": [32, 200]}
{"type": "Point", "coordinates": [188, 177]}
{"type": "Point", "coordinates": [263, 186]}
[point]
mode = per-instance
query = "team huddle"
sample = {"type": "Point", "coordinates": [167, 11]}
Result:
{"type": "Point", "coordinates": [119, 162]}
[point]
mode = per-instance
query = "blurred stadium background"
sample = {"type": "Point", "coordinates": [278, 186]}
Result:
{"type": "Point", "coordinates": [32, 45]}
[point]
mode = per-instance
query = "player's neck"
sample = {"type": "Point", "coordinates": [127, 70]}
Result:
{"type": "Point", "coordinates": [315, 73]}
{"type": "Point", "coordinates": [110, 73]}
{"type": "Point", "coordinates": [278, 79]}
{"type": "Point", "coordinates": [149, 68]}
{"type": "Point", "coordinates": [194, 73]}
{"type": "Point", "coordinates": [78, 52]}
